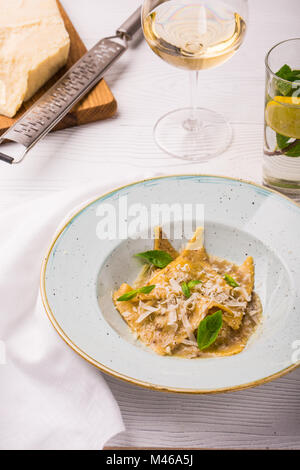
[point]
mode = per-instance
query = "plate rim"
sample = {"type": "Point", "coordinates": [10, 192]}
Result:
{"type": "Point", "coordinates": [112, 372]}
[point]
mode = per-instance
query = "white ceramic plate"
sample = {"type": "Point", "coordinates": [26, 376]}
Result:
{"type": "Point", "coordinates": [80, 272]}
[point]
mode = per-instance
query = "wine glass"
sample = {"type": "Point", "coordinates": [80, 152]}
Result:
{"type": "Point", "coordinates": [194, 35]}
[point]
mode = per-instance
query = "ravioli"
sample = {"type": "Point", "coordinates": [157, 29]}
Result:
{"type": "Point", "coordinates": [167, 321]}
{"type": "Point", "coordinates": [160, 243]}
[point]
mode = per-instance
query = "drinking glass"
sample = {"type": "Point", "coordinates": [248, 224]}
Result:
{"type": "Point", "coordinates": [194, 35]}
{"type": "Point", "coordinates": [281, 165]}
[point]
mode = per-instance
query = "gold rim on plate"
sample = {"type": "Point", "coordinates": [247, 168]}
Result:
{"type": "Point", "coordinates": [126, 378]}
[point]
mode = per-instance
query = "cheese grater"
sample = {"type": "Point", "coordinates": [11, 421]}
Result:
{"type": "Point", "coordinates": [43, 116]}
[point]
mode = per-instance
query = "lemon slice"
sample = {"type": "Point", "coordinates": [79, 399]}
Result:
{"type": "Point", "coordinates": [283, 116]}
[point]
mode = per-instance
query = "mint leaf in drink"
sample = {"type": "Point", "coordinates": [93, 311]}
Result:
{"type": "Point", "coordinates": [293, 75]}
{"type": "Point", "coordinates": [230, 281]}
{"type": "Point", "coordinates": [186, 290]}
{"type": "Point", "coordinates": [158, 258]}
{"type": "Point", "coordinates": [133, 293]}
{"type": "Point", "coordinates": [294, 150]}
{"type": "Point", "coordinates": [284, 71]}
{"type": "Point", "coordinates": [290, 149]}
{"type": "Point", "coordinates": [208, 329]}
{"type": "Point", "coordinates": [283, 87]}
{"type": "Point", "coordinates": [282, 141]}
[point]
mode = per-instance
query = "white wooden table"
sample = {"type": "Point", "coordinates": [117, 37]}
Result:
{"type": "Point", "coordinates": [146, 88]}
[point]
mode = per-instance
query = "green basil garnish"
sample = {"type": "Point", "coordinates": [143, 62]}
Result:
{"type": "Point", "coordinates": [186, 290]}
{"type": "Point", "coordinates": [158, 258]}
{"type": "Point", "coordinates": [230, 281]}
{"type": "Point", "coordinates": [131, 294]}
{"type": "Point", "coordinates": [187, 286]}
{"type": "Point", "coordinates": [208, 329]}
{"type": "Point", "coordinates": [146, 289]}
{"type": "Point", "coordinates": [192, 284]}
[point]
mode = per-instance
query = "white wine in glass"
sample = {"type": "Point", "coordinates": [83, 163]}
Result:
{"type": "Point", "coordinates": [194, 35]}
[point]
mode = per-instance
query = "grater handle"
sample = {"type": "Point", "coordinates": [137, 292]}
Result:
{"type": "Point", "coordinates": [131, 25]}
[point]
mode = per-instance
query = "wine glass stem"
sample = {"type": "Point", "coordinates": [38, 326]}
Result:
{"type": "Point", "coordinates": [192, 123]}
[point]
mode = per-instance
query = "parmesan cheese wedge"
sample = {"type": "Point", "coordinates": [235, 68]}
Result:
{"type": "Point", "coordinates": [34, 45]}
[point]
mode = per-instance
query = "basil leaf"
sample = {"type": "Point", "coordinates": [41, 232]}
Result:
{"type": "Point", "coordinates": [131, 294]}
{"type": "Point", "coordinates": [192, 284]}
{"type": "Point", "coordinates": [158, 258]}
{"type": "Point", "coordinates": [186, 286]}
{"type": "Point", "coordinates": [208, 329]}
{"type": "Point", "coordinates": [146, 289]}
{"type": "Point", "coordinates": [186, 290]}
{"type": "Point", "coordinates": [128, 296]}
{"type": "Point", "coordinates": [230, 281]}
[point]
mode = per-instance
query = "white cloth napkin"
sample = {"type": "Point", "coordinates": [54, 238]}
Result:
{"type": "Point", "coordinates": [50, 398]}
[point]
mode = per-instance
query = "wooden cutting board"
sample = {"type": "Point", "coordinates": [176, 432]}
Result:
{"type": "Point", "coordinates": [98, 104]}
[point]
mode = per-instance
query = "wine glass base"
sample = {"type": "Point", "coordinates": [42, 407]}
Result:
{"type": "Point", "coordinates": [200, 138]}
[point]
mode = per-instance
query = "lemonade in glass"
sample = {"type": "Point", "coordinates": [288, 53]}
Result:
{"type": "Point", "coordinates": [281, 168]}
